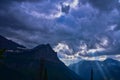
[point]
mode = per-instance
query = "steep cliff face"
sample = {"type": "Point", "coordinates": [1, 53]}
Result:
{"type": "Point", "coordinates": [49, 62]}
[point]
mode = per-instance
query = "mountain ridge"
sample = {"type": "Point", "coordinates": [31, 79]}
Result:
{"type": "Point", "coordinates": [9, 44]}
{"type": "Point", "coordinates": [108, 69]}
{"type": "Point", "coordinates": [30, 61]}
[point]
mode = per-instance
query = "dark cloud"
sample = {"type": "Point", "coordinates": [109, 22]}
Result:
{"type": "Point", "coordinates": [7, 1]}
{"type": "Point", "coordinates": [104, 5]}
{"type": "Point", "coordinates": [4, 4]}
{"type": "Point", "coordinates": [32, 23]}
{"type": "Point", "coordinates": [65, 8]}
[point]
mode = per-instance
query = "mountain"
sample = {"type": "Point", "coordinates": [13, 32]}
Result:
{"type": "Point", "coordinates": [9, 44]}
{"type": "Point", "coordinates": [39, 63]}
{"type": "Point", "coordinates": [45, 52]}
{"type": "Point", "coordinates": [6, 73]}
{"type": "Point", "coordinates": [102, 70]}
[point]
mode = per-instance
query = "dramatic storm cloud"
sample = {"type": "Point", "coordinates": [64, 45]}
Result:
{"type": "Point", "coordinates": [74, 28]}
{"type": "Point", "coordinates": [105, 5]}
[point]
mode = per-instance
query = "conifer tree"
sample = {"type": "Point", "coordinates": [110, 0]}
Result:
{"type": "Point", "coordinates": [91, 75]}
{"type": "Point", "coordinates": [2, 52]}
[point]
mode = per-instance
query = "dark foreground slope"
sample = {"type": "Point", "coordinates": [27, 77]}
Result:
{"type": "Point", "coordinates": [102, 70]}
{"type": "Point", "coordinates": [9, 44]}
{"type": "Point", "coordinates": [39, 63]}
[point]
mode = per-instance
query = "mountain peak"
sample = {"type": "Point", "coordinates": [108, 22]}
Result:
{"type": "Point", "coordinates": [45, 51]}
{"type": "Point", "coordinates": [110, 60]}
{"type": "Point", "coordinates": [44, 47]}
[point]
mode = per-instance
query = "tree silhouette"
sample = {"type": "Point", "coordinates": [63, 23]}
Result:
{"type": "Point", "coordinates": [91, 75]}
{"type": "Point", "coordinates": [1, 53]}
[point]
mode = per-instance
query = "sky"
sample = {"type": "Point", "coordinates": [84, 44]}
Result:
{"type": "Point", "coordinates": [76, 29]}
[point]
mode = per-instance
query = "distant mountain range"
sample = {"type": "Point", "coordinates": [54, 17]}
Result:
{"type": "Point", "coordinates": [39, 63]}
{"type": "Point", "coordinates": [102, 70]}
